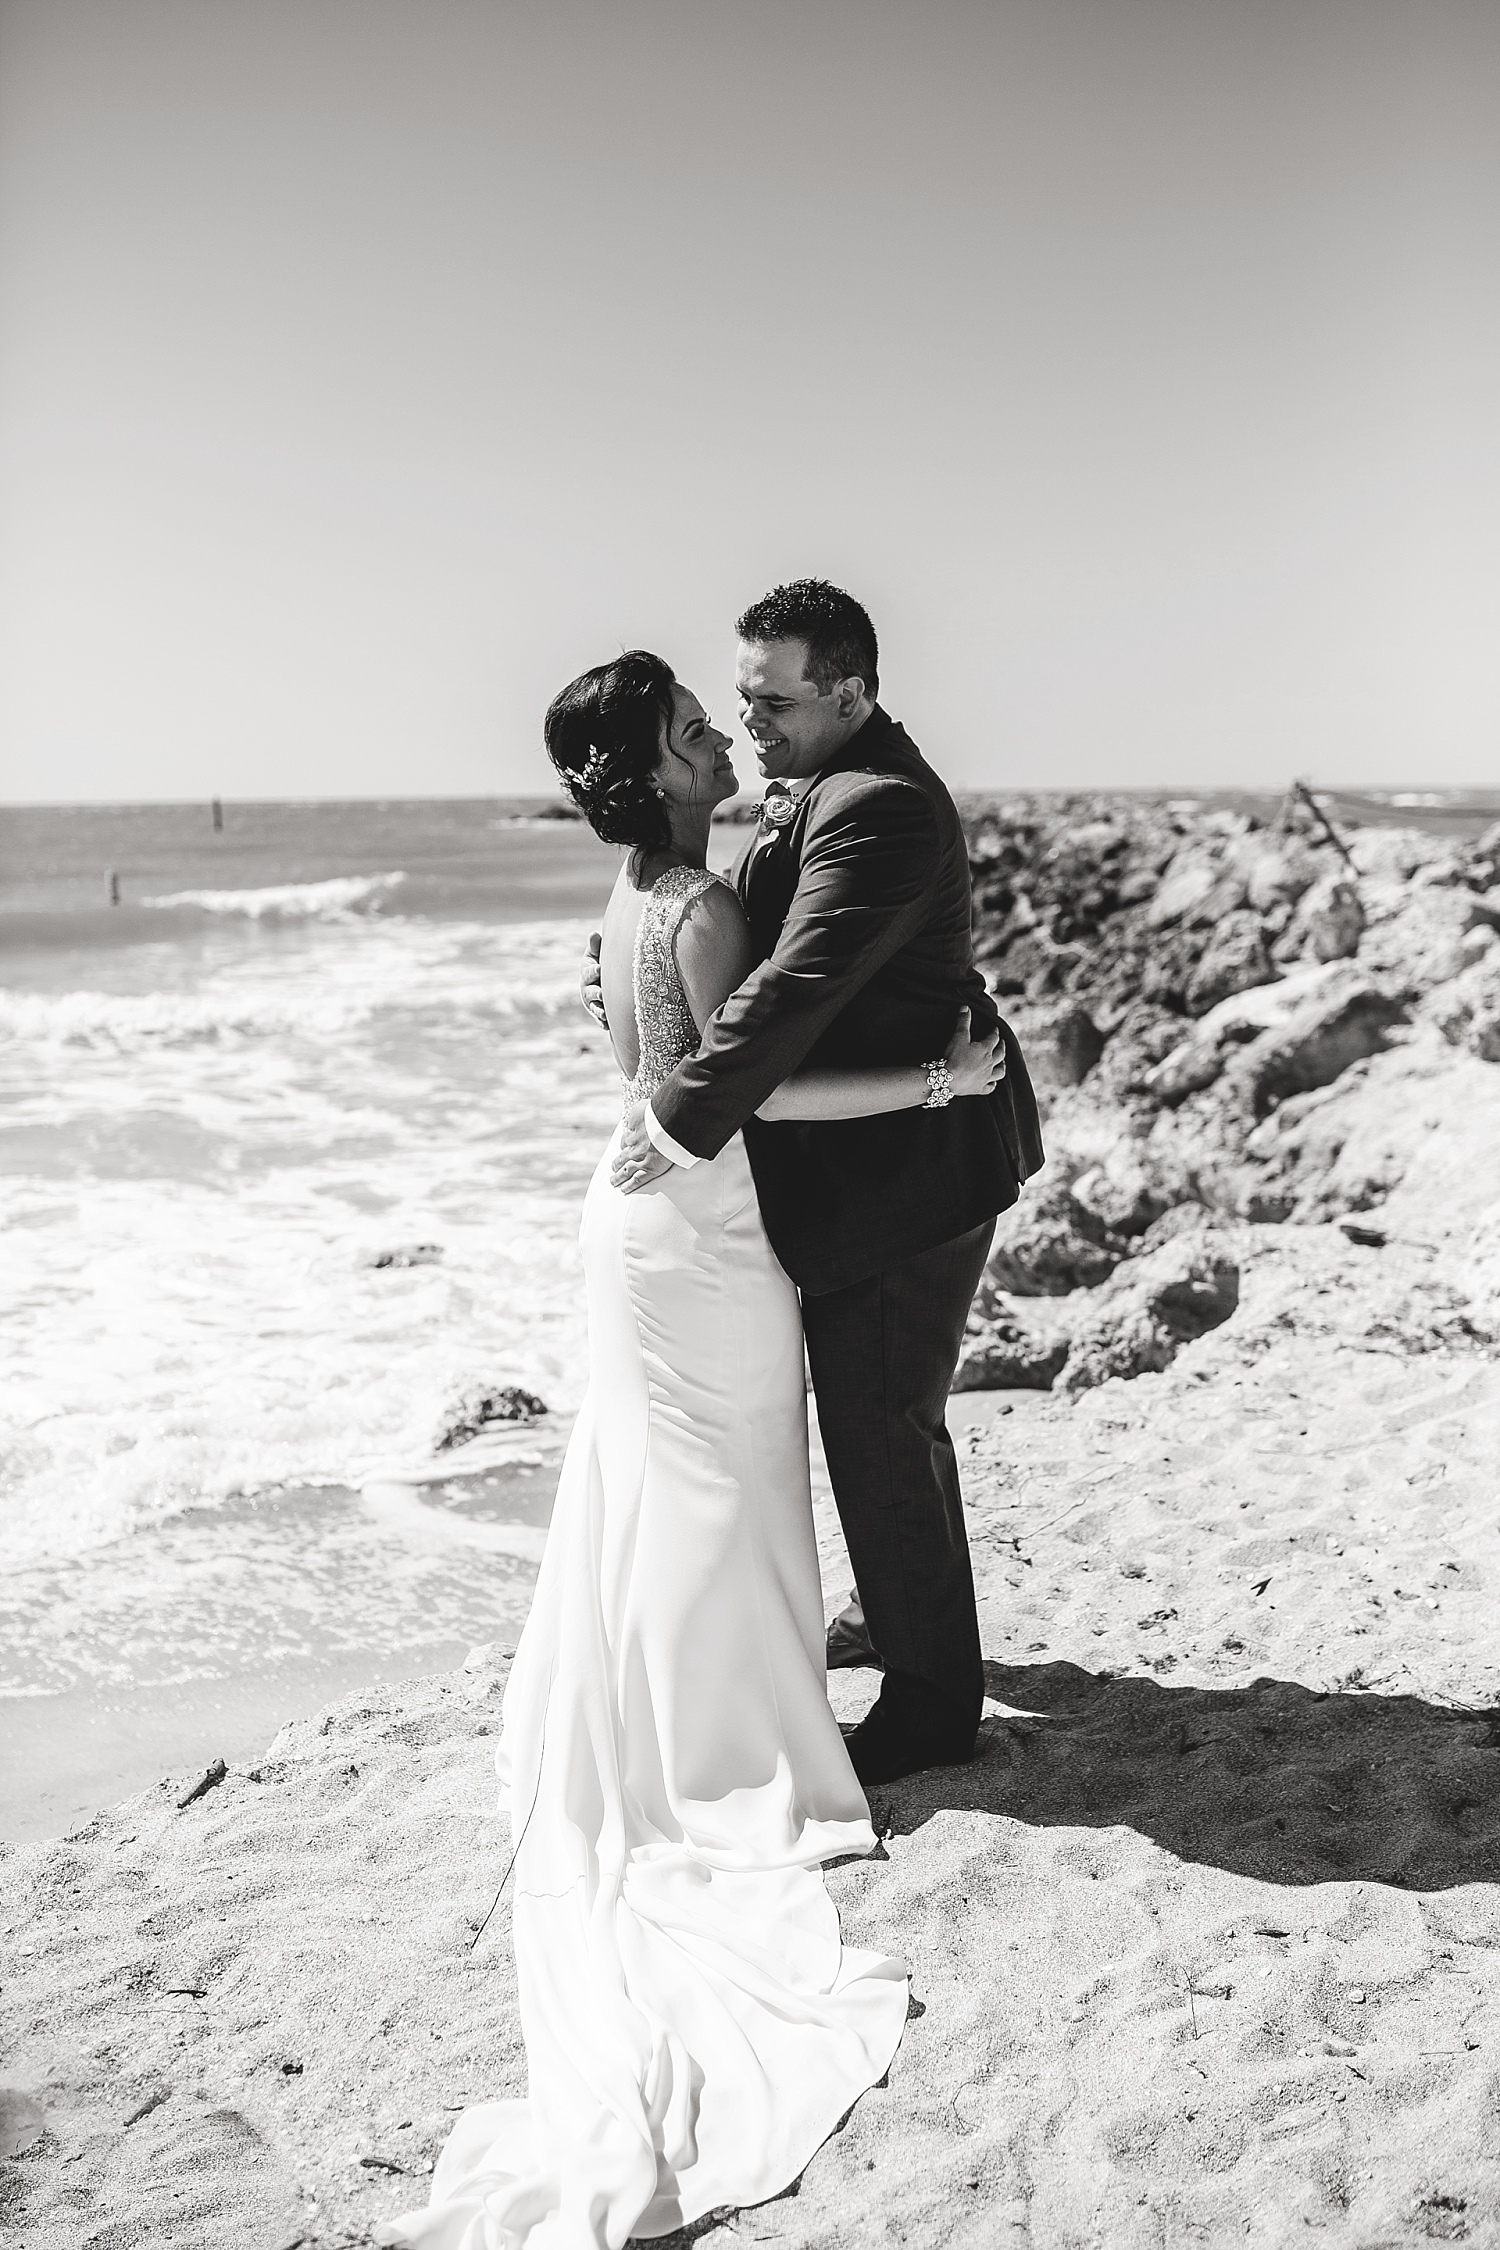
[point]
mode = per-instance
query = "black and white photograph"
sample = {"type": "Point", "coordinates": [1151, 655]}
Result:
{"type": "Point", "coordinates": [749, 1124]}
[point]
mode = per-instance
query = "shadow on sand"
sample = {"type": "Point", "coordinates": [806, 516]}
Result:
{"type": "Point", "coordinates": [1272, 1780]}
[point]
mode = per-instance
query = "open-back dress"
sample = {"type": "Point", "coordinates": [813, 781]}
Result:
{"type": "Point", "coordinates": [694, 2026]}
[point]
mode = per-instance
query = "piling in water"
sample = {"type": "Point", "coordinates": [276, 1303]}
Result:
{"type": "Point", "coordinates": [112, 886]}
{"type": "Point", "coordinates": [218, 817]}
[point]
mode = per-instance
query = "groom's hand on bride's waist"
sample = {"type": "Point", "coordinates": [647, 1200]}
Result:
{"type": "Point", "coordinates": [638, 1161]}
{"type": "Point", "coordinates": [591, 983]}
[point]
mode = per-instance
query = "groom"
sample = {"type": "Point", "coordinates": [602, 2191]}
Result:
{"type": "Point", "coordinates": [857, 891]}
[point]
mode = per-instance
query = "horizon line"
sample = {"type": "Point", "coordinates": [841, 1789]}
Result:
{"type": "Point", "coordinates": [1384, 793]}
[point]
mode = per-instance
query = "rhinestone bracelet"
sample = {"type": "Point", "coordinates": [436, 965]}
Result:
{"type": "Point", "coordinates": [940, 1084]}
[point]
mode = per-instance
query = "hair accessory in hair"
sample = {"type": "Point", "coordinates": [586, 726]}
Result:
{"type": "Point", "coordinates": [591, 772]}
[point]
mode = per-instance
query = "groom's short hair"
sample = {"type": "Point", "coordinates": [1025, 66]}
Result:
{"type": "Point", "coordinates": [840, 639]}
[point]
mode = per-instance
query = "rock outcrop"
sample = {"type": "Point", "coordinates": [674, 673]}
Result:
{"type": "Point", "coordinates": [1181, 1281]}
{"type": "Point", "coordinates": [481, 1408]}
{"type": "Point", "coordinates": [1467, 1010]}
{"type": "Point", "coordinates": [1049, 1244]}
{"type": "Point", "coordinates": [1215, 1008]}
{"type": "Point", "coordinates": [1139, 1320]}
{"type": "Point", "coordinates": [1005, 1353]}
{"type": "Point", "coordinates": [1280, 1039]}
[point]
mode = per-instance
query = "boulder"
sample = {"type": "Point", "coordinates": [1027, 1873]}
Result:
{"type": "Point", "coordinates": [1060, 1040]}
{"type": "Point", "coordinates": [1199, 1059]}
{"type": "Point", "coordinates": [1047, 1245]}
{"type": "Point", "coordinates": [1333, 918]}
{"type": "Point", "coordinates": [1234, 960]}
{"type": "Point", "coordinates": [1276, 875]}
{"type": "Point", "coordinates": [1119, 1193]}
{"type": "Point", "coordinates": [1009, 902]}
{"type": "Point", "coordinates": [1140, 1319]}
{"type": "Point", "coordinates": [1199, 888]}
{"type": "Point", "coordinates": [1393, 855]}
{"type": "Point", "coordinates": [1327, 924]}
{"type": "Point", "coordinates": [1029, 962]}
{"type": "Point", "coordinates": [1422, 934]}
{"type": "Point", "coordinates": [481, 1408]}
{"type": "Point", "coordinates": [1324, 1154]}
{"type": "Point", "coordinates": [1001, 1353]}
{"type": "Point", "coordinates": [1169, 965]}
{"type": "Point", "coordinates": [1189, 1218]}
{"type": "Point", "coordinates": [1080, 878]}
{"type": "Point", "coordinates": [1144, 1036]}
{"type": "Point", "coordinates": [1467, 1010]}
{"type": "Point", "coordinates": [1328, 1032]}
{"type": "Point", "coordinates": [1281, 1038]}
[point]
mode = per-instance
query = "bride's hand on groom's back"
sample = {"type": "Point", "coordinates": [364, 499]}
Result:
{"type": "Point", "coordinates": [976, 1066]}
{"type": "Point", "coordinates": [591, 983]}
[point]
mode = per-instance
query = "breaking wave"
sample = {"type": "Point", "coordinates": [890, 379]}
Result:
{"type": "Point", "coordinates": [343, 972]}
{"type": "Point", "coordinates": [334, 900]}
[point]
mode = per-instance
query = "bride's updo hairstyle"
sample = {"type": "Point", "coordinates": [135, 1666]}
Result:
{"type": "Point", "coordinates": [604, 734]}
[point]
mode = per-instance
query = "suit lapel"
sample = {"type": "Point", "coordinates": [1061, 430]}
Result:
{"type": "Point", "coordinates": [766, 878]}
{"type": "Point", "coordinates": [765, 873]}
{"type": "Point", "coordinates": [739, 873]}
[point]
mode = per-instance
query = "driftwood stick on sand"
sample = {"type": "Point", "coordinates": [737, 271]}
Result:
{"type": "Point", "coordinates": [207, 1780]}
{"type": "Point", "coordinates": [152, 2102]}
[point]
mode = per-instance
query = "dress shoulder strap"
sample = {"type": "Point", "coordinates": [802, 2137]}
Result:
{"type": "Point", "coordinates": [674, 892]}
{"type": "Point", "coordinates": [670, 897]}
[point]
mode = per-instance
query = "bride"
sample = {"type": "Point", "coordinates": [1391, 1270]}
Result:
{"type": "Point", "coordinates": [676, 1779]}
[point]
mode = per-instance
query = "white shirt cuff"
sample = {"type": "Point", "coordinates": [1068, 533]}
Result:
{"type": "Point", "coordinates": [661, 1139]}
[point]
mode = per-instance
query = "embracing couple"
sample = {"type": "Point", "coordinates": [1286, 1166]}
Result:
{"type": "Point", "coordinates": [823, 1115]}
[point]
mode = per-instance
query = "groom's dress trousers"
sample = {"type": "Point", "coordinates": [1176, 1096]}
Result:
{"type": "Point", "coordinates": [860, 907]}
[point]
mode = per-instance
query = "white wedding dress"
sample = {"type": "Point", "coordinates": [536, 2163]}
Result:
{"type": "Point", "coordinates": [694, 2026]}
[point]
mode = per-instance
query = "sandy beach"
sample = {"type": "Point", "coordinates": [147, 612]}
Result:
{"type": "Point", "coordinates": [1204, 1942]}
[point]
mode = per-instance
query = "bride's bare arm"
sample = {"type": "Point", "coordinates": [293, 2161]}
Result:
{"type": "Point", "coordinates": [975, 1066]}
{"type": "Point", "coordinates": [715, 953]}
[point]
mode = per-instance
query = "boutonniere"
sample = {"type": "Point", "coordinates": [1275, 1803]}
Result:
{"type": "Point", "coordinates": [777, 811]}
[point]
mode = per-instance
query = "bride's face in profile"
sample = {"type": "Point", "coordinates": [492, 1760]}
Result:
{"type": "Point", "coordinates": [695, 767]}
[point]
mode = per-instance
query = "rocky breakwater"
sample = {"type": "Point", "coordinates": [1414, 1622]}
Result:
{"type": "Point", "coordinates": [1233, 1022]}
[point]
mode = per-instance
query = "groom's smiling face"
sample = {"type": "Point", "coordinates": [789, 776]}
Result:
{"type": "Point", "coordinates": [796, 726]}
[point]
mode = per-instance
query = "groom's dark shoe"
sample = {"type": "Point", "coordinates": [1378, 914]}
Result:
{"type": "Point", "coordinates": [911, 1727]}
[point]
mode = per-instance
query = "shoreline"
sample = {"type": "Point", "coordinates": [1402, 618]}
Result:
{"type": "Point", "coordinates": [71, 1755]}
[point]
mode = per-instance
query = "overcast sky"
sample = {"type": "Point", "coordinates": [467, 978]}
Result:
{"type": "Point", "coordinates": [368, 369]}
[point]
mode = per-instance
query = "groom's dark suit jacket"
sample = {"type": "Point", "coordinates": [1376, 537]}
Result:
{"type": "Point", "coordinates": [861, 909]}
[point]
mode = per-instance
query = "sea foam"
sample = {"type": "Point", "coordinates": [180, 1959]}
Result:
{"type": "Point", "coordinates": [330, 901]}
{"type": "Point", "coordinates": [512, 970]}
{"type": "Point", "coordinates": [200, 1180]}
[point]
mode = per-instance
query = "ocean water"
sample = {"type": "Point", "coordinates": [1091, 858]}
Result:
{"type": "Point", "coordinates": [221, 1103]}
{"type": "Point", "coordinates": [324, 1035]}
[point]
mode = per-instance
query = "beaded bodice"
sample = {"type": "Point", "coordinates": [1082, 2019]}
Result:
{"type": "Point", "coordinates": [663, 1020]}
